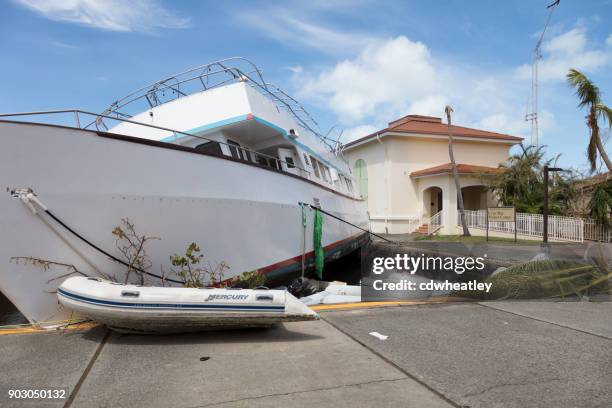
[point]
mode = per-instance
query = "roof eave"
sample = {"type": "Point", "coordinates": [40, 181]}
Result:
{"type": "Point", "coordinates": [510, 140]}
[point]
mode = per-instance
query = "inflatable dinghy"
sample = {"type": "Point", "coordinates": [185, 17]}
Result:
{"type": "Point", "coordinates": [131, 308]}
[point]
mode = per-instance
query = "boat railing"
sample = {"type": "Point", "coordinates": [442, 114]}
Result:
{"type": "Point", "coordinates": [79, 116]}
{"type": "Point", "coordinates": [209, 76]}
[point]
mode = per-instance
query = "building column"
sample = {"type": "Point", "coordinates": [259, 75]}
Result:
{"type": "Point", "coordinates": [450, 213]}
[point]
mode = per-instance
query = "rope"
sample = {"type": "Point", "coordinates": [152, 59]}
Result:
{"type": "Point", "coordinates": [66, 322]}
{"type": "Point", "coordinates": [114, 258]}
{"type": "Point", "coordinates": [349, 223]}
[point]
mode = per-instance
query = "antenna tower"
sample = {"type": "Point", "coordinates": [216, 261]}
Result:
{"type": "Point", "coordinates": [531, 114]}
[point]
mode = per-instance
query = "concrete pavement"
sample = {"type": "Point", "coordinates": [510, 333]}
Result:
{"type": "Point", "coordinates": [43, 361]}
{"type": "Point", "coordinates": [479, 356]}
{"type": "Point", "coordinates": [495, 354]}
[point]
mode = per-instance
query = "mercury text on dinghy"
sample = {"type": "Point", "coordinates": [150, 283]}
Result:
{"type": "Point", "coordinates": [214, 155]}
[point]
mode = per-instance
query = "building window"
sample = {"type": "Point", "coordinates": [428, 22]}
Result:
{"type": "Point", "coordinates": [361, 176]}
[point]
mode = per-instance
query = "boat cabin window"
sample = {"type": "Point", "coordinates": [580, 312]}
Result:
{"type": "Point", "coordinates": [261, 160]}
{"type": "Point", "coordinates": [349, 184]}
{"type": "Point", "coordinates": [326, 173]}
{"type": "Point", "coordinates": [315, 167]}
{"type": "Point", "coordinates": [210, 147]}
{"type": "Point", "coordinates": [238, 152]}
{"type": "Point", "coordinates": [306, 161]}
{"type": "Point", "coordinates": [274, 163]}
{"type": "Point", "coordinates": [233, 146]}
{"type": "Point", "coordinates": [289, 161]}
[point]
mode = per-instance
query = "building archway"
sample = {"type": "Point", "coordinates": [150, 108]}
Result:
{"type": "Point", "coordinates": [474, 197]}
{"type": "Point", "coordinates": [432, 201]}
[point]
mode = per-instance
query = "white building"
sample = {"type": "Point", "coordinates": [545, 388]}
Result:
{"type": "Point", "coordinates": [404, 172]}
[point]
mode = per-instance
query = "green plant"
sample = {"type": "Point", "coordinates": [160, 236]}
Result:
{"type": "Point", "coordinates": [194, 275]}
{"type": "Point", "coordinates": [519, 183]}
{"type": "Point", "coordinates": [600, 205]}
{"type": "Point", "coordinates": [132, 247]}
{"type": "Point", "coordinates": [249, 280]}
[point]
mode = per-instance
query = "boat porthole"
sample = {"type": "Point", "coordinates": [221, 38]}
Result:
{"type": "Point", "coordinates": [205, 358]}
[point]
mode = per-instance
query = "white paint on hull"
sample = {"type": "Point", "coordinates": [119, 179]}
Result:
{"type": "Point", "coordinates": [241, 214]}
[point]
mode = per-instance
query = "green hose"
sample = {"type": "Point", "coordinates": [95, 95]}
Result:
{"type": "Point", "coordinates": [318, 247]}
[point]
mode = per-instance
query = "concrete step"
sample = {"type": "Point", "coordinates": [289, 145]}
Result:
{"type": "Point", "coordinates": [423, 229]}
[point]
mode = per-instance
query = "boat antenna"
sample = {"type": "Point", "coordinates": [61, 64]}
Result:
{"type": "Point", "coordinates": [335, 143]}
{"type": "Point", "coordinates": [531, 114]}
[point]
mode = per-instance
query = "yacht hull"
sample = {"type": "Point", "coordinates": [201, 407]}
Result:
{"type": "Point", "coordinates": [242, 214]}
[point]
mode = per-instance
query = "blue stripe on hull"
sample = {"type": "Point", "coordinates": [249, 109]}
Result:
{"type": "Point", "coordinates": [179, 306]}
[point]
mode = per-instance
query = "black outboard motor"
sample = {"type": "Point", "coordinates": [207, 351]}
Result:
{"type": "Point", "coordinates": [302, 287]}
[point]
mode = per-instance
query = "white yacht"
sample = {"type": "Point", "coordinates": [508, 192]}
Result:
{"type": "Point", "coordinates": [214, 155]}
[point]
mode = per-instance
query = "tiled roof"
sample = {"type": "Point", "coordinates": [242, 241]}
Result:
{"type": "Point", "coordinates": [429, 125]}
{"type": "Point", "coordinates": [446, 168]}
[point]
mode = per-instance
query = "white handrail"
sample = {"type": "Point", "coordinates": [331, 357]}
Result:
{"type": "Point", "coordinates": [78, 112]}
{"type": "Point", "coordinates": [593, 231]}
{"type": "Point", "coordinates": [560, 228]}
{"type": "Point", "coordinates": [435, 223]}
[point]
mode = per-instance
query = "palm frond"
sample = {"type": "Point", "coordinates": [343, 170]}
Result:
{"type": "Point", "coordinates": [604, 112]}
{"type": "Point", "coordinates": [587, 92]}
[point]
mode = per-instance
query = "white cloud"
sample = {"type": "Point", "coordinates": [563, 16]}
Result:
{"type": "Point", "coordinates": [113, 15]}
{"type": "Point", "coordinates": [564, 51]}
{"type": "Point", "coordinates": [609, 40]}
{"type": "Point", "coordinates": [62, 45]}
{"type": "Point", "coordinates": [393, 77]}
{"type": "Point", "coordinates": [293, 30]}
{"type": "Point", "coordinates": [354, 133]}
{"type": "Point", "coordinates": [296, 69]}
{"type": "Point", "coordinates": [432, 105]}
{"type": "Point", "coordinates": [385, 75]}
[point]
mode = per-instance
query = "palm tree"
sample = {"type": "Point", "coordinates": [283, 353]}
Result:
{"type": "Point", "coordinates": [589, 97]}
{"type": "Point", "coordinates": [600, 205]}
{"type": "Point", "coordinates": [466, 231]}
{"type": "Point", "coordinates": [519, 183]}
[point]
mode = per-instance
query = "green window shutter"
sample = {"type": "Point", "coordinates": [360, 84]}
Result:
{"type": "Point", "coordinates": [361, 174]}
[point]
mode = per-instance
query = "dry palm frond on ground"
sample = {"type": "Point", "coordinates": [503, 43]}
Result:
{"type": "Point", "coordinates": [546, 279]}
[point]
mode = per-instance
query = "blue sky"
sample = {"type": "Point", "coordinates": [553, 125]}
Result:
{"type": "Point", "coordinates": [354, 64]}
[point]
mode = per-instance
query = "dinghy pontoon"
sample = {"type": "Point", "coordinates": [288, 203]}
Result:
{"type": "Point", "coordinates": [131, 308]}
